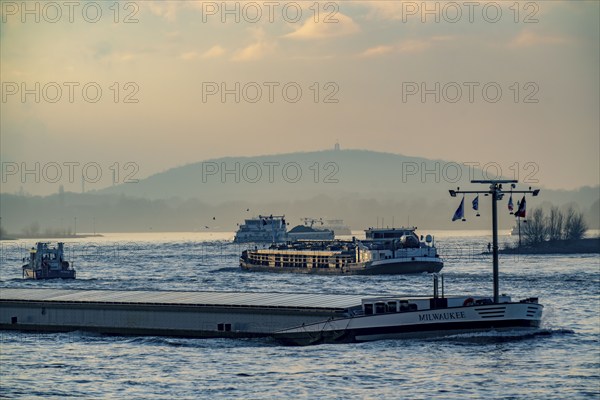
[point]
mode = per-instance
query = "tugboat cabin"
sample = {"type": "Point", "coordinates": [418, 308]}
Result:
{"type": "Point", "coordinates": [47, 263]}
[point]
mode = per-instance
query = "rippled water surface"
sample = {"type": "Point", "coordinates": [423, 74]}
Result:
{"type": "Point", "coordinates": [560, 360]}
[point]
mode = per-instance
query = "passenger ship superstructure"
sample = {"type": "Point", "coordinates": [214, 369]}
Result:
{"type": "Point", "coordinates": [263, 229]}
{"type": "Point", "coordinates": [273, 229]}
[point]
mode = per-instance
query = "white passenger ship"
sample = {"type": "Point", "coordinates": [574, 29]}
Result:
{"type": "Point", "coordinates": [273, 229]}
{"type": "Point", "coordinates": [263, 229]}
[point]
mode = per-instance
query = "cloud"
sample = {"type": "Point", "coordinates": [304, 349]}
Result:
{"type": "Point", "coordinates": [257, 50]}
{"type": "Point", "coordinates": [101, 50]}
{"type": "Point", "coordinates": [383, 10]}
{"type": "Point", "coordinates": [343, 26]}
{"type": "Point", "coordinates": [105, 53]}
{"type": "Point", "coordinates": [170, 9]}
{"type": "Point", "coordinates": [173, 36]}
{"type": "Point", "coordinates": [165, 9]}
{"type": "Point", "coordinates": [377, 51]}
{"type": "Point", "coordinates": [190, 55]}
{"type": "Point", "coordinates": [404, 10]}
{"type": "Point", "coordinates": [253, 52]}
{"type": "Point", "coordinates": [214, 52]}
{"type": "Point", "coordinates": [124, 56]}
{"type": "Point", "coordinates": [527, 38]}
{"type": "Point", "coordinates": [405, 46]}
{"type": "Point", "coordinates": [413, 46]}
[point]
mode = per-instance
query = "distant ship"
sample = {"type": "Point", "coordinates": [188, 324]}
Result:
{"type": "Point", "coordinates": [303, 232]}
{"type": "Point", "coordinates": [273, 229]}
{"type": "Point", "coordinates": [514, 231]}
{"type": "Point", "coordinates": [337, 226]}
{"type": "Point", "coordinates": [47, 263]}
{"type": "Point", "coordinates": [309, 232]}
{"type": "Point", "coordinates": [262, 229]}
{"type": "Point", "coordinates": [386, 251]}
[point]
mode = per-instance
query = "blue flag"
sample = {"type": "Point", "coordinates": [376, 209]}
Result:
{"type": "Point", "coordinates": [476, 203]}
{"type": "Point", "coordinates": [460, 211]}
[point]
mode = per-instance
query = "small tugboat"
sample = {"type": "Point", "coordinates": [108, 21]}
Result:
{"type": "Point", "coordinates": [387, 251]}
{"type": "Point", "coordinates": [47, 263]}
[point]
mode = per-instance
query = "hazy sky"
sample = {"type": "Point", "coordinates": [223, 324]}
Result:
{"type": "Point", "coordinates": [483, 82]}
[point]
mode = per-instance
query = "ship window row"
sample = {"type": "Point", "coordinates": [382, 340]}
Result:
{"type": "Point", "coordinates": [300, 261]}
{"type": "Point", "coordinates": [381, 307]}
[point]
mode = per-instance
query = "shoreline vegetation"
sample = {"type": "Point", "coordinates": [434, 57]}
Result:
{"type": "Point", "coordinates": [574, 246]}
{"type": "Point", "coordinates": [34, 231]}
{"type": "Point", "coordinates": [41, 236]}
{"type": "Point", "coordinates": [554, 231]}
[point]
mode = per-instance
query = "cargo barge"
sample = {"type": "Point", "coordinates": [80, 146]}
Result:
{"type": "Point", "coordinates": [165, 313]}
{"type": "Point", "coordinates": [290, 318]}
{"type": "Point", "coordinates": [385, 251]}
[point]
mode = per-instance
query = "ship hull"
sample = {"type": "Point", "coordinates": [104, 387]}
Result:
{"type": "Point", "coordinates": [417, 324]}
{"type": "Point", "coordinates": [384, 267]}
{"type": "Point", "coordinates": [259, 239]}
{"type": "Point", "coordinates": [291, 318]}
{"type": "Point", "coordinates": [29, 273]}
{"type": "Point", "coordinates": [310, 236]}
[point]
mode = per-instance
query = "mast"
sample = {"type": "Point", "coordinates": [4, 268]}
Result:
{"type": "Point", "coordinates": [496, 193]}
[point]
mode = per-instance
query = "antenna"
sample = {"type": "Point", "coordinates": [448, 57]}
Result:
{"type": "Point", "coordinates": [496, 191]}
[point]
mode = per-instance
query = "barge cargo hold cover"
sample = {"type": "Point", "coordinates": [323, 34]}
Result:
{"type": "Point", "coordinates": [167, 313]}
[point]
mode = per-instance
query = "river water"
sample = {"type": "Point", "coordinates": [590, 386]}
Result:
{"type": "Point", "coordinates": [560, 360]}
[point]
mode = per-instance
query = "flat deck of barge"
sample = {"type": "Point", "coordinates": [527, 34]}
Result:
{"type": "Point", "coordinates": [171, 313]}
{"type": "Point", "coordinates": [330, 302]}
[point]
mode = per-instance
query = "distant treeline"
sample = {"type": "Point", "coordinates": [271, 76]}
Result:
{"type": "Point", "coordinates": [364, 188]}
{"type": "Point", "coordinates": [65, 213]}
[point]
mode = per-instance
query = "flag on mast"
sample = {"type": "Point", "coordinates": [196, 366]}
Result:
{"type": "Point", "coordinates": [510, 204]}
{"type": "Point", "coordinates": [476, 203]}
{"type": "Point", "coordinates": [460, 211]}
{"type": "Point", "coordinates": [521, 211]}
